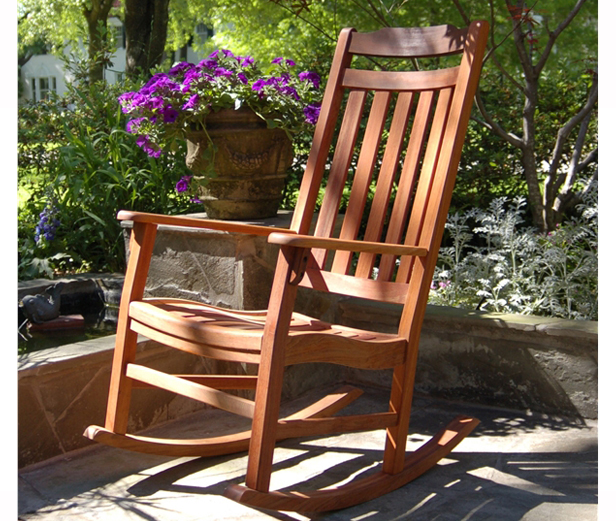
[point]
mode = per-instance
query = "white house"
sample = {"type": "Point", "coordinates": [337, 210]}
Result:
{"type": "Point", "coordinates": [44, 73]}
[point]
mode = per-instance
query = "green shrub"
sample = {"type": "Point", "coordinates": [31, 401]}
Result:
{"type": "Point", "coordinates": [76, 158]}
{"type": "Point", "coordinates": [494, 264]}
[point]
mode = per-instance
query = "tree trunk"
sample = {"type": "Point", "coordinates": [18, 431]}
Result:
{"type": "Point", "coordinates": [547, 203]}
{"type": "Point", "coordinates": [146, 33]}
{"type": "Point", "coordinates": [96, 13]}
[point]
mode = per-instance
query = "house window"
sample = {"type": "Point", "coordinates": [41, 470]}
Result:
{"type": "Point", "coordinates": [118, 32]}
{"type": "Point", "coordinates": [204, 32]}
{"type": "Point", "coordinates": [41, 87]}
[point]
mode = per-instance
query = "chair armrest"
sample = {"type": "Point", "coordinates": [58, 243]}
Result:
{"type": "Point", "coordinates": [192, 222]}
{"type": "Point", "coordinates": [308, 241]}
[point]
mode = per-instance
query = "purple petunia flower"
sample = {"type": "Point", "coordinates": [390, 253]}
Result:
{"type": "Point", "coordinates": [192, 102]}
{"type": "Point", "coordinates": [170, 114]}
{"type": "Point", "coordinates": [258, 85]}
{"type": "Point", "coordinates": [221, 71]}
{"type": "Point", "coordinates": [150, 148]}
{"type": "Point", "coordinates": [180, 67]}
{"type": "Point", "coordinates": [126, 98]}
{"type": "Point", "coordinates": [247, 61]}
{"type": "Point", "coordinates": [311, 112]}
{"type": "Point", "coordinates": [182, 184]}
{"type": "Point", "coordinates": [188, 91]}
{"type": "Point", "coordinates": [133, 125]}
{"type": "Point", "coordinates": [312, 77]}
{"type": "Point", "coordinates": [207, 64]}
{"type": "Point", "coordinates": [154, 103]}
{"type": "Point", "coordinates": [158, 76]}
{"type": "Point", "coordinates": [288, 91]}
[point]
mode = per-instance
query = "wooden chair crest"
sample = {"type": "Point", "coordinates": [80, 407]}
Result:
{"type": "Point", "coordinates": [418, 119]}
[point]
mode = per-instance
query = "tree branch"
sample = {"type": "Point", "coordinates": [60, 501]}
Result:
{"type": "Point", "coordinates": [376, 13]}
{"type": "Point", "coordinates": [466, 19]}
{"type": "Point", "coordinates": [489, 123]}
{"type": "Point", "coordinates": [519, 37]}
{"type": "Point", "coordinates": [563, 133]}
{"type": "Point", "coordinates": [569, 178]}
{"type": "Point", "coordinates": [591, 157]}
{"type": "Point", "coordinates": [493, 126]}
{"type": "Point", "coordinates": [555, 34]}
{"type": "Point", "coordinates": [303, 19]}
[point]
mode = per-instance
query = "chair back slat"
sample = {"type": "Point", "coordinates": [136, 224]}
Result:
{"type": "Point", "coordinates": [397, 149]}
{"type": "Point", "coordinates": [339, 168]}
{"type": "Point", "coordinates": [408, 178]}
{"type": "Point", "coordinates": [426, 178]}
{"type": "Point", "coordinates": [385, 181]}
{"type": "Point", "coordinates": [363, 176]}
{"type": "Point", "coordinates": [322, 280]}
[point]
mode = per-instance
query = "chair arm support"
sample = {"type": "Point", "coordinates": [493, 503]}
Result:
{"type": "Point", "coordinates": [308, 241]}
{"type": "Point", "coordinates": [192, 222]}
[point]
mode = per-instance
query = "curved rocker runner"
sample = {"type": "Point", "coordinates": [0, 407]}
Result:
{"type": "Point", "coordinates": [405, 129]}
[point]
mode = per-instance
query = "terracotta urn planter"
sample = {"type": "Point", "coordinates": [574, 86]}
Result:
{"type": "Point", "coordinates": [250, 165]}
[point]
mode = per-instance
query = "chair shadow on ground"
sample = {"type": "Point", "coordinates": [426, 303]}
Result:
{"type": "Point", "coordinates": [466, 485]}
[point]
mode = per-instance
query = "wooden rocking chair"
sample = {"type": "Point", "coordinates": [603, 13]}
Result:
{"type": "Point", "coordinates": [402, 239]}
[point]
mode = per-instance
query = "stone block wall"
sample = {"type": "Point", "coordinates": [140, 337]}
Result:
{"type": "Point", "coordinates": [62, 391]}
{"type": "Point", "coordinates": [539, 364]}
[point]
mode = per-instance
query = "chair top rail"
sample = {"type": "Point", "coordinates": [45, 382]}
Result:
{"type": "Point", "coordinates": [415, 42]}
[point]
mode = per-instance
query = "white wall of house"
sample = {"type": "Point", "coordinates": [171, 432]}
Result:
{"type": "Point", "coordinates": [45, 72]}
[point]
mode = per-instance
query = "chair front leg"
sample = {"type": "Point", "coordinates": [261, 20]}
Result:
{"type": "Point", "coordinates": [271, 370]}
{"type": "Point", "coordinates": [140, 251]}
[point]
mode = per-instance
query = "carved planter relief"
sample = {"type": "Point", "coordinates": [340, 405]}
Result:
{"type": "Point", "coordinates": [250, 165]}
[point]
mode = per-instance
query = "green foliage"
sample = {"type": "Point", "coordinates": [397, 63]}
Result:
{"type": "Point", "coordinates": [76, 156]}
{"type": "Point", "coordinates": [54, 22]}
{"type": "Point", "coordinates": [494, 263]}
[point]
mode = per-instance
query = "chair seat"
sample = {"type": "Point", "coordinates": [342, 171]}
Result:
{"type": "Point", "coordinates": [236, 335]}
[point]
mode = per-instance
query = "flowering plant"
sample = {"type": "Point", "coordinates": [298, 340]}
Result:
{"type": "Point", "coordinates": [170, 103]}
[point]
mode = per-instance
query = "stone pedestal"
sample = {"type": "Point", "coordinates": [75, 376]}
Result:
{"type": "Point", "coordinates": [223, 269]}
